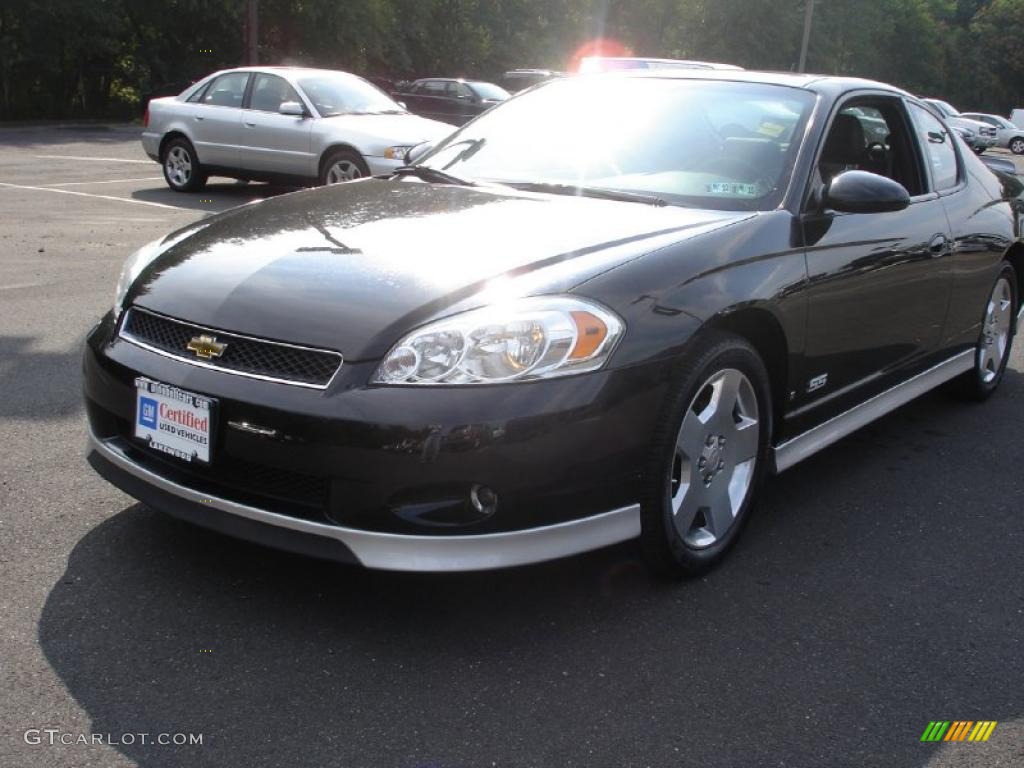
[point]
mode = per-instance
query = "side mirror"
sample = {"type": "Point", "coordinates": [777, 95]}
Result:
{"type": "Point", "coordinates": [417, 151]}
{"type": "Point", "coordinates": [863, 192]}
{"type": "Point", "coordinates": [292, 108]}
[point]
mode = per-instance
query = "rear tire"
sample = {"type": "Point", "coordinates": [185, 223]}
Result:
{"type": "Point", "coordinates": [998, 326]}
{"type": "Point", "coordinates": [182, 170]}
{"type": "Point", "coordinates": [343, 165]}
{"type": "Point", "coordinates": [708, 457]}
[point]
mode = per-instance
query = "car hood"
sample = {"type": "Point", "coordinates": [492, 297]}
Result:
{"type": "Point", "coordinates": [966, 122]}
{"type": "Point", "coordinates": [385, 130]}
{"type": "Point", "coordinates": [352, 266]}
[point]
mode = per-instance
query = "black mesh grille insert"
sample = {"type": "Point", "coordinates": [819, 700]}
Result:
{"type": "Point", "coordinates": [241, 355]}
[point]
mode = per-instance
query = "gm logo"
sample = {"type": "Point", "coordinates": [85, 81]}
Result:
{"type": "Point", "coordinates": [958, 730]}
{"type": "Point", "coordinates": [147, 412]}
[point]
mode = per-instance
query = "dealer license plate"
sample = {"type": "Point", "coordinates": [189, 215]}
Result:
{"type": "Point", "coordinates": [174, 421]}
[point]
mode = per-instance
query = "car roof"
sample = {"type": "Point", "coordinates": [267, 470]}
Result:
{"type": "Point", "coordinates": [829, 85]}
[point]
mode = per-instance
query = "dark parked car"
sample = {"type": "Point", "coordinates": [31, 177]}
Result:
{"type": "Point", "coordinates": [570, 324]}
{"type": "Point", "coordinates": [451, 100]}
{"type": "Point", "coordinates": [516, 80]}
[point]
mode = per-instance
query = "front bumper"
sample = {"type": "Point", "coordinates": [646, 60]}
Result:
{"type": "Point", "coordinates": [381, 166]}
{"type": "Point", "coordinates": [376, 475]}
{"type": "Point", "coordinates": [393, 552]}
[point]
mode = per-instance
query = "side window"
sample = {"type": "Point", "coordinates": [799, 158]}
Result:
{"type": "Point", "coordinates": [197, 95]}
{"type": "Point", "coordinates": [269, 92]}
{"type": "Point", "coordinates": [871, 134]}
{"type": "Point", "coordinates": [433, 88]}
{"type": "Point", "coordinates": [459, 91]}
{"type": "Point", "coordinates": [227, 90]}
{"type": "Point", "coordinates": [938, 148]}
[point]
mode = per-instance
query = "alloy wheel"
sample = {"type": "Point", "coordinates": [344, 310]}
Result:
{"type": "Point", "coordinates": [343, 170]}
{"type": "Point", "coordinates": [713, 466]}
{"type": "Point", "coordinates": [1017, 146]}
{"type": "Point", "coordinates": [178, 165]}
{"type": "Point", "coordinates": [995, 333]}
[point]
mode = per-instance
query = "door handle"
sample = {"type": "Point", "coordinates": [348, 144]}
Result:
{"type": "Point", "coordinates": [199, 117]}
{"type": "Point", "coordinates": [938, 245]}
{"type": "Point", "coordinates": [250, 125]}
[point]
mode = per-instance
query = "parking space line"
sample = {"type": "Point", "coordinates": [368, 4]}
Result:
{"type": "Point", "coordinates": [89, 194]}
{"type": "Point", "coordinates": [97, 159]}
{"type": "Point", "coordinates": [105, 181]}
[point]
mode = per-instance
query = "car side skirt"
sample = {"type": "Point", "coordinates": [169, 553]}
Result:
{"type": "Point", "coordinates": [384, 551]}
{"type": "Point", "coordinates": [813, 440]}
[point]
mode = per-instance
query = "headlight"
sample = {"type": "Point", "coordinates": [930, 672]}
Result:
{"type": "Point", "coordinates": [396, 153]}
{"type": "Point", "coordinates": [133, 266]}
{"type": "Point", "coordinates": [536, 338]}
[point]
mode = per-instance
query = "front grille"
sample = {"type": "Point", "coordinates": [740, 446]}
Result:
{"type": "Point", "coordinates": [988, 131]}
{"type": "Point", "coordinates": [242, 355]}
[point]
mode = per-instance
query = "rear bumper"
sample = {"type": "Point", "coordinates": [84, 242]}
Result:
{"type": "Point", "coordinates": [386, 551]}
{"type": "Point", "coordinates": [151, 145]}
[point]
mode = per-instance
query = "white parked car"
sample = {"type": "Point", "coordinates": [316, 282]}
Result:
{"type": "Point", "coordinates": [285, 124]}
{"type": "Point", "coordinates": [978, 135]}
{"type": "Point", "coordinates": [1008, 135]}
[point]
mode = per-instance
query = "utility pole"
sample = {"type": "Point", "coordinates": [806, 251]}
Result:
{"type": "Point", "coordinates": [252, 32]}
{"type": "Point", "coordinates": [808, 17]}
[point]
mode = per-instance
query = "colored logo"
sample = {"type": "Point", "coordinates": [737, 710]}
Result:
{"type": "Point", "coordinates": [147, 412]}
{"type": "Point", "coordinates": [958, 730]}
{"type": "Point", "coordinates": [206, 347]}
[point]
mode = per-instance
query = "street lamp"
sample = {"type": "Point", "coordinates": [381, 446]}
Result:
{"type": "Point", "coordinates": [808, 16]}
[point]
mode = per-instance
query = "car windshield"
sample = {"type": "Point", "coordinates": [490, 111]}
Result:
{"type": "Point", "coordinates": [945, 108]}
{"type": "Point", "coordinates": [723, 145]}
{"type": "Point", "coordinates": [337, 93]}
{"type": "Point", "coordinates": [490, 91]}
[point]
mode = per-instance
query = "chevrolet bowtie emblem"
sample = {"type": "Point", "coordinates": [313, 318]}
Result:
{"type": "Point", "coordinates": [206, 347]}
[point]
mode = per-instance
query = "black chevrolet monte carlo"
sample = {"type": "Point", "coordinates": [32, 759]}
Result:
{"type": "Point", "coordinates": [605, 310]}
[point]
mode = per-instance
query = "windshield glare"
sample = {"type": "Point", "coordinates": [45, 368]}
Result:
{"type": "Point", "coordinates": [341, 94]}
{"type": "Point", "coordinates": [724, 145]}
{"type": "Point", "coordinates": [490, 91]}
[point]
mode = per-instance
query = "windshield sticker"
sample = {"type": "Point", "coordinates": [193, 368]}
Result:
{"type": "Point", "coordinates": [731, 188]}
{"type": "Point", "coordinates": [771, 129]}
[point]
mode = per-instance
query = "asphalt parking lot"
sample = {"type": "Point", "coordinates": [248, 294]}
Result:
{"type": "Point", "coordinates": [878, 588]}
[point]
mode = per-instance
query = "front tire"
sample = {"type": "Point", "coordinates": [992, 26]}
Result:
{"type": "Point", "coordinates": [343, 165]}
{"type": "Point", "coordinates": [997, 330]}
{"type": "Point", "coordinates": [708, 457]}
{"type": "Point", "coordinates": [1017, 145]}
{"type": "Point", "coordinates": [182, 170]}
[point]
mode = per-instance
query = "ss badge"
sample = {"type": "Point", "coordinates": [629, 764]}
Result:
{"type": "Point", "coordinates": [817, 382]}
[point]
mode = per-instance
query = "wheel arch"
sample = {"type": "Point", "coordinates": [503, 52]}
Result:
{"type": "Point", "coordinates": [169, 137]}
{"type": "Point", "coordinates": [1015, 256]}
{"type": "Point", "coordinates": [763, 331]}
{"type": "Point", "coordinates": [334, 148]}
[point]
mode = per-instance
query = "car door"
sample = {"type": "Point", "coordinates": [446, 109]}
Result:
{"type": "Point", "coordinates": [272, 142]}
{"type": "Point", "coordinates": [975, 224]}
{"type": "Point", "coordinates": [463, 105]}
{"type": "Point", "coordinates": [216, 120]}
{"type": "Point", "coordinates": [879, 283]}
{"type": "Point", "coordinates": [432, 100]}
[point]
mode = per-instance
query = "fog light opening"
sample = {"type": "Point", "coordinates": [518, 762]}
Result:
{"type": "Point", "coordinates": [483, 499]}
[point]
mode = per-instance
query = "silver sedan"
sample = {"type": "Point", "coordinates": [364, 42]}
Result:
{"type": "Point", "coordinates": [281, 124]}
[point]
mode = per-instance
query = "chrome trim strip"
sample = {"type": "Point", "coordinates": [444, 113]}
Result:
{"type": "Point", "coordinates": [810, 442]}
{"type": "Point", "coordinates": [396, 552]}
{"type": "Point", "coordinates": [123, 334]}
{"type": "Point", "coordinates": [245, 426]}
{"type": "Point", "coordinates": [1020, 321]}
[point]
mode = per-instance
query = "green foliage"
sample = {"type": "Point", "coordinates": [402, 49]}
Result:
{"type": "Point", "coordinates": [63, 58]}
